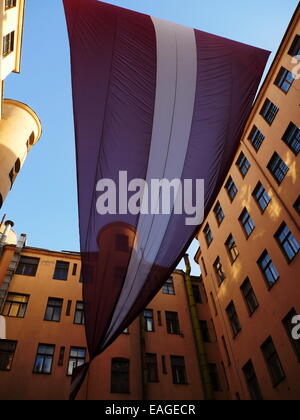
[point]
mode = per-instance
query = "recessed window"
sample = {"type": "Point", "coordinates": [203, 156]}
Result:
{"type": "Point", "coordinates": [205, 331]}
{"type": "Point", "coordinates": [256, 137]}
{"type": "Point", "coordinates": [297, 205]}
{"type": "Point", "coordinates": [61, 270]}
{"type": "Point", "coordinates": [79, 314]}
{"type": "Point", "coordinates": [249, 296]}
{"type": "Point", "coordinates": [8, 44]}
{"type": "Point", "coordinates": [289, 326]}
{"type": "Point", "coordinates": [172, 322]}
{"type": "Point", "coordinates": [232, 248]}
{"type": "Point", "coordinates": [231, 189]}
{"type": "Point", "coordinates": [44, 359]}
{"type": "Point", "coordinates": [278, 168]}
{"type": "Point", "coordinates": [61, 356]}
{"type": "Point", "coordinates": [243, 164]}
{"type": "Point", "coordinates": [284, 80]}
{"type": "Point", "coordinates": [76, 359]}
{"type": "Point", "coordinates": [208, 235]}
{"type": "Point", "coordinates": [287, 242]}
{"type": "Point", "coordinates": [247, 223]}
{"type": "Point", "coordinates": [27, 266]}
{"type": "Point", "coordinates": [54, 310]}
{"type": "Point", "coordinates": [295, 47]}
{"type": "Point", "coordinates": [218, 267]}
{"type": "Point", "coordinates": [151, 368]}
{"type": "Point", "coordinates": [74, 271]}
{"type": "Point", "coordinates": [268, 269]}
{"type": "Point", "coordinates": [273, 362]}
{"type": "Point", "coordinates": [7, 353]}
{"type": "Point", "coordinates": [269, 111]}
{"type": "Point", "coordinates": [261, 197]}
{"type": "Point", "coordinates": [168, 287]}
{"type": "Point", "coordinates": [214, 376]}
{"type": "Point", "coordinates": [219, 213]}
{"type": "Point", "coordinates": [252, 382]}
{"type": "Point", "coordinates": [15, 305]}
{"type": "Point", "coordinates": [292, 138]}
{"type": "Point", "coordinates": [178, 370]}
{"type": "Point", "coordinates": [9, 4]}
{"type": "Point", "coordinates": [233, 319]}
{"type": "Point", "coordinates": [148, 320]}
{"type": "Point", "coordinates": [196, 293]}
{"type": "Point", "coordinates": [120, 376]}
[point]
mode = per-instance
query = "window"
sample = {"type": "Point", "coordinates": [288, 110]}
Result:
{"type": "Point", "coordinates": [7, 353]}
{"type": "Point", "coordinates": [74, 271]}
{"type": "Point", "coordinates": [76, 359]}
{"type": "Point", "coordinates": [168, 287]}
{"type": "Point", "coordinates": [284, 80]}
{"type": "Point", "coordinates": [261, 197]}
{"type": "Point", "coordinates": [219, 213]}
{"type": "Point", "coordinates": [8, 44]}
{"type": "Point", "coordinates": [61, 270]}
{"type": "Point", "coordinates": [226, 351]}
{"type": "Point", "coordinates": [159, 320]}
{"type": "Point", "coordinates": [289, 326]}
{"type": "Point", "coordinates": [79, 314]}
{"type": "Point", "coordinates": [243, 164]}
{"type": "Point", "coordinates": [27, 266]}
{"type": "Point", "coordinates": [252, 382]}
{"type": "Point", "coordinates": [178, 370]}
{"type": "Point", "coordinates": [247, 223]}
{"type": "Point", "coordinates": [172, 322]}
{"type": "Point", "coordinates": [291, 138]}
{"type": "Point", "coordinates": [287, 242]}
{"type": "Point", "coordinates": [69, 307]}
{"type": "Point", "coordinates": [61, 356]}
{"type": "Point", "coordinates": [295, 47]}
{"type": "Point", "coordinates": [273, 362]}
{"type": "Point", "coordinates": [297, 205]}
{"type": "Point", "coordinates": [10, 3]}
{"type": "Point", "coordinates": [151, 367]}
{"type": "Point", "coordinates": [268, 269]}
{"type": "Point", "coordinates": [256, 137]}
{"type": "Point", "coordinates": [120, 376]}
{"type": "Point", "coordinates": [269, 111]}
{"type": "Point", "coordinates": [250, 297]}
{"type": "Point", "coordinates": [232, 249]}
{"type": "Point", "coordinates": [233, 319]}
{"type": "Point", "coordinates": [53, 310]}
{"type": "Point", "coordinates": [196, 293]}
{"type": "Point", "coordinates": [122, 243]}
{"type": "Point", "coordinates": [15, 305]}
{"type": "Point", "coordinates": [231, 189]}
{"type": "Point", "coordinates": [205, 331]}
{"type": "Point", "coordinates": [148, 320]}
{"type": "Point", "coordinates": [44, 359]}
{"type": "Point", "coordinates": [208, 235]}
{"type": "Point", "coordinates": [278, 168]}
{"type": "Point", "coordinates": [214, 376]}
{"type": "Point", "coordinates": [164, 365]}
{"type": "Point", "coordinates": [219, 271]}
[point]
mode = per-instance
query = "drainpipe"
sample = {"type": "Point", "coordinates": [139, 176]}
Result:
{"type": "Point", "coordinates": [203, 363]}
{"type": "Point", "coordinates": [143, 357]}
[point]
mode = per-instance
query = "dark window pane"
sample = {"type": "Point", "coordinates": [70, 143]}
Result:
{"type": "Point", "coordinates": [79, 314]}
{"type": "Point", "coordinates": [44, 359]}
{"type": "Point", "coordinates": [287, 242]}
{"type": "Point", "coordinates": [256, 137]}
{"type": "Point", "coordinates": [168, 287]}
{"type": "Point", "coordinates": [219, 213]}
{"type": "Point", "coordinates": [278, 168]}
{"type": "Point", "coordinates": [247, 223]}
{"type": "Point", "coordinates": [231, 189]}
{"type": "Point", "coordinates": [219, 271]}
{"type": "Point", "coordinates": [27, 266]}
{"type": "Point", "coordinates": [243, 164]}
{"type": "Point", "coordinates": [61, 270]}
{"type": "Point", "coordinates": [295, 47]}
{"type": "Point", "coordinates": [7, 352]}
{"type": "Point", "coordinates": [233, 319]}
{"type": "Point", "coordinates": [232, 248]}
{"type": "Point", "coordinates": [268, 269]}
{"type": "Point", "coordinates": [53, 310]}
{"type": "Point", "coordinates": [273, 362]}
{"type": "Point", "coordinates": [252, 382]}
{"type": "Point", "coordinates": [178, 370]}
{"type": "Point", "coordinates": [196, 293]}
{"type": "Point", "coordinates": [269, 111]}
{"type": "Point", "coordinates": [172, 322]}
{"type": "Point", "coordinates": [292, 138]}
{"type": "Point", "coordinates": [15, 305]}
{"type": "Point", "coordinates": [261, 197]}
{"type": "Point", "coordinates": [250, 297]}
{"type": "Point", "coordinates": [208, 235]}
{"type": "Point", "coordinates": [120, 376]}
{"type": "Point", "coordinates": [151, 367]}
{"type": "Point", "coordinates": [148, 320]}
{"type": "Point", "coordinates": [205, 331]}
{"type": "Point", "coordinates": [76, 359]}
{"type": "Point", "coordinates": [214, 376]}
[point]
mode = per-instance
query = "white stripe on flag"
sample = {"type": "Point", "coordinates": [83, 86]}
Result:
{"type": "Point", "coordinates": [173, 114]}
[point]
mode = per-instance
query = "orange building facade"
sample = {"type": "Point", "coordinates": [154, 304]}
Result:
{"type": "Point", "coordinates": [155, 359]}
{"type": "Point", "coordinates": [249, 242]}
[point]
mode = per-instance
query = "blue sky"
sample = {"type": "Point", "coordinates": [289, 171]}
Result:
{"type": "Point", "coordinates": [43, 202]}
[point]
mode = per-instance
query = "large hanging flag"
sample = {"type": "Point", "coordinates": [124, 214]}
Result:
{"type": "Point", "coordinates": [159, 110]}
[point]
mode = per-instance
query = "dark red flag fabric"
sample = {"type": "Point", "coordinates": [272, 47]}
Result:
{"type": "Point", "coordinates": [153, 101]}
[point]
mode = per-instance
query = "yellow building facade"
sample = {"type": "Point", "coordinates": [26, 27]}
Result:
{"type": "Point", "coordinates": [20, 127]}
